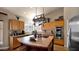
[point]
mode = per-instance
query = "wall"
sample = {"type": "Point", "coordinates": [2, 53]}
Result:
{"type": "Point", "coordinates": [5, 31]}
{"type": "Point", "coordinates": [56, 13]}
{"type": "Point", "coordinates": [5, 28]}
{"type": "Point", "coordinates": [10, 15]}
{"type": "Point", "coordinates": [69, 12]}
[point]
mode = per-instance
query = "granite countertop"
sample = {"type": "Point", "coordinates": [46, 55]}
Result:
{"type": "Point", "coordinates": [42, 42]}
{"type": "Point", "coordinates": [26, 34]}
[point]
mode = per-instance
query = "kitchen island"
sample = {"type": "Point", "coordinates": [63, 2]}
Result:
{"type": "Point", "coordinates": [40, 44]}
{"type": "Point", "coordinates": [14, 43]}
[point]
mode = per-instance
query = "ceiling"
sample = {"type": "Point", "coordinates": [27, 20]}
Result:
{"type": "Point", "coordinates": [30, 11]}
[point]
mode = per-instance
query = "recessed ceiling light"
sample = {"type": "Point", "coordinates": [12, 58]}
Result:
{"type": "Point", "coordinates": [24, 12]}
{"type": "Point", "coordinates": [31, 7]}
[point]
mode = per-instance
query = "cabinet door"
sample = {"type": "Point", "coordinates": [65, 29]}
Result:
{"type": "Point", "coordinates": [21, 25]}
{"type": "Point", "coordinates": [59, 23]}
{"type": "Point", "coordinates": [14, 24]}
{"type": "Point", "coordinates": [10, 24]}
{"type": "Point", "coordinates": [11, 43]}
{"type": "Point", "coordinates": [16, 43]}
{"type": "Point", "coordinates": [48, 26]}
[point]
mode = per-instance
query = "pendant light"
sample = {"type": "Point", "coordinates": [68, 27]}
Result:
{"type": "Point", "coordinates": [43, 16]}
{"type": "Point", "coordinates": [39, 18]}
{"type": "Point", "coordinates": [35, 18]}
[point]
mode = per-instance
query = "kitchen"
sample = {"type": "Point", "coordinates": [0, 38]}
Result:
{"type": "Point", "coordinates": [30, 26]}
{"type": "Point", "coordinates": [24, 24]}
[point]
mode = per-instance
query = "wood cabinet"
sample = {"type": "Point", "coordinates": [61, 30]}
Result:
{"type": "Point", "coordinates": [59, 42]}
{"type": "Point", "coordinates": [21, 25]}
{"type": "Point", "coordinates": [14, 43]}
{"type": "Point", "coordinates": [59, 23]}
{"type": "Point", "coordinates": [16, 25]}
{"type": "Point", "coordinates": [48, 26]}
{"type": "Point", "coordinates": [51, 25]}
{"type": "Point", "coordinates": [13, 24]}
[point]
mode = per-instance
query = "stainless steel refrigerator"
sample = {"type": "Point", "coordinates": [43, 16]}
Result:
{"type": "Point", "coordinates": [74, 33]}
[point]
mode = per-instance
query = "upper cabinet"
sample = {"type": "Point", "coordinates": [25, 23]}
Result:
{"type": "Point", "coordinates": [13, 24]}
{"type": "Point", "coordinates": [21, 25]}
{"type": "Point", "coordinates": [58, 23]}
{"type": "Point", "coordinates": [53, 24]}
{"type": "Point", "coordinates": [16, 25]}
{"type": "Point", "coordinates": [48, 26]}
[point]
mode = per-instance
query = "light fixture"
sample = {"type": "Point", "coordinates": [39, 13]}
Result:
{"type": "Point", "coordinates": [39, 18]}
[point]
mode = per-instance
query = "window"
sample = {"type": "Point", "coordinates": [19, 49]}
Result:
{"type": "Point", "coordinates": [29, 28]}
{"type": "Point", "coordinates": [1, 32]}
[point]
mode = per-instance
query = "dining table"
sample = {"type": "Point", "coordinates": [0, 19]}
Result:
{"type": "Point", "coordinates": [38, 43]}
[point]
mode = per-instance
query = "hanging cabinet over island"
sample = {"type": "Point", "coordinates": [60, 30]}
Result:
{"type": "Point", "coordinates": [53, 24]}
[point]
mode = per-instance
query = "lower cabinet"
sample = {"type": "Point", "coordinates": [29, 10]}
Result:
{"type": "Point", "coordinates": [59, 42]}
{"type": "Point", "coordinates": [14, 43]}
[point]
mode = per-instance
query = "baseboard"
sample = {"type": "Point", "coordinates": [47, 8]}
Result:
{"type": "Point", "coordinates": [4, 48]}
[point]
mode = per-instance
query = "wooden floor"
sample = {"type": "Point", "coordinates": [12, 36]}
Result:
{"type": "Point", "coordinates": [56, 48]}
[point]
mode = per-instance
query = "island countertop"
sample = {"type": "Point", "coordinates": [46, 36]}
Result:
{"type": "Point", "coordinates": [40, 42]}
{"type": "Point", "coordinates": [22, 35]}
